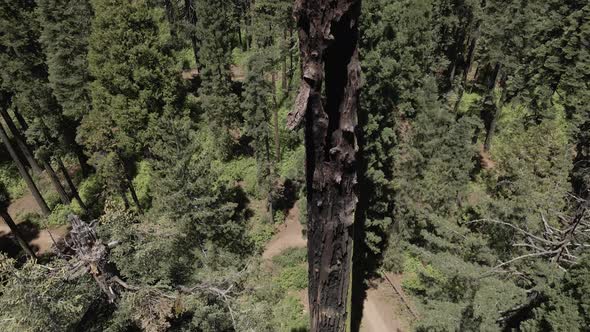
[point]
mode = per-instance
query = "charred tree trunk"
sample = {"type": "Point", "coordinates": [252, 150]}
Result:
{"type": "Point", "coordinates": [328, 34]}
{"type": "Point", "coordinates": [23, 172]}
{"type": "Point", "coordinates": [21, 142]}
{"type": "Point", "coordinates": [73, 189]}
{"type": "Point", "coordinates": [17, 235]}
{"type": "Point", "coordinates": [65, 199]}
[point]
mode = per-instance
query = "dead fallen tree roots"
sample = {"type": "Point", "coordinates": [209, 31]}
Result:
{"type": "Point", "coordinates": [89, 255]}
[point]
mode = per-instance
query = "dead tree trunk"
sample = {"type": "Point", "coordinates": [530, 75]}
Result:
{"type": "Point", "coordinates": [328, 34]}
{"type": "Point", "coordinates": [23, 172]}
{"type": "Point", "coordinates": [17, 235]}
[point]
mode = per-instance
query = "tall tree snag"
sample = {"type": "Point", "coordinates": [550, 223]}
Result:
{"type": "Point", "coordinates": [328, 34]}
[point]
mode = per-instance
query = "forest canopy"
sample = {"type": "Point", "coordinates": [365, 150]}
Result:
{"type": "Point", "coordinates": [165, 164]}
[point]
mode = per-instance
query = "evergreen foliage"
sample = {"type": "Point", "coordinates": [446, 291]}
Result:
{"type": "Point", "coordinates": [475, 151]}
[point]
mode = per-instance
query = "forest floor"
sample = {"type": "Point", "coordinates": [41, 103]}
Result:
{"type": "Point", "coordinates": [384, 308]}
{"type": "Point", "coordinates": [39, 239]}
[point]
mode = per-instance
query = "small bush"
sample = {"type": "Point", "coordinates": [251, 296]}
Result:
{"type": "Point", "coordinates": [59, 215]}
{"type": "Point", "coordinates": [288, 315]}
{"type": "Point", "coordinates": [14, 183]}
{"type": "Point", "coordinates": [260, 233]}
{"type": "Point", "coordinates": [293, 278]}
{"type": "Point", "coordinates": [291, 257]}
{"type": "Point", "coordinates": [141, 182]}
{"type": "Point", "coordinates": [280, 217]}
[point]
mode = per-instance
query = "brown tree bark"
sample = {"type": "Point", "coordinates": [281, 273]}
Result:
{"type": "Point", "coordinates": [73, 189]}
{"type": "Point", "coordinates": [21, 142]}
{"type": "Point", "coordinates": [65, 199]}
{"type": "Point", "coordinates": [17, 235]}
{"type": "Point", "coordinates": [23, 171]}
{"type": "Point", "coordinates": [328, 34]}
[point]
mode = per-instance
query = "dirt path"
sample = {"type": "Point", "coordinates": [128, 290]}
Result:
{"type": "Point", "coordinates": [289, 236]}
{"type": "Point", "coordinates": [384, 310]}
{"type": "Point", "coordinates": [386, 307]}
{"type": "Point", "coordinates": [39, 239]}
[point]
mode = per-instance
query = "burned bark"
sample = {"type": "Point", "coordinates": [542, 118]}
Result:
{"type": "Point", "coordinates": [328, 34]}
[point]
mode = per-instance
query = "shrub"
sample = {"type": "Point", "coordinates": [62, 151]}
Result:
{"type": "Point", "coordinates": [59, 215]}
{"type": "Point", "coordinates": [291, 257]}
{"type": "Point", "coordinates": [288, 315]}
{"type": "Point", "coordinates": [141, 182]}
{"type": "Point", "coordinates": [14, 183]}
{"type": "Point", "coordinates": [293, 278]}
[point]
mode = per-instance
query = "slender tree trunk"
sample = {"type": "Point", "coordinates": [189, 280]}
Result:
{"type": "Point", "coordinates": [328, 34]}
{"type": "Point", "coordinates": [17, 234]}
{"type": "Point", "coordinates": [134, 195]}
{"type": "Point", "coordinates": [497, 105]}
{"type": "Point", "coordinates": [125, 200]}
{"type": "Point", "coordinates": [73, 189]}
{"type": "Point", "coordinates": [191, 17]}
{"type": "Point", "coordinates": [269, 173]}
{"type": "Point", "coordinates": [284, 84]}
{"type": "Point", "coordinates": [21, 120]}
{"type": "Point", "coordinates": [291, 60]}
{"type": "Point", "coordinates": [56, 183]}
{"type": "Point", "coordinates": [471, 56]}
{"type": "Point", "coordinates": [275, 119]}
{"type": "Point", "coordinates": [20, 141]}
{"type": "Point", "coordinates": [23, 172]}
{"type": "Point", "coordinates": [170, 15]}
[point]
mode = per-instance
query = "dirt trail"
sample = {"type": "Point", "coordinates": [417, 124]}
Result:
{"type": "Point", "coordinates": [289, 236]}
{"type": "Point", "coordinates": [383, 311]}
{"type": "Point", "coordinates": [41, 242]}
{"type": "Point", "coordinates": [386, 307]}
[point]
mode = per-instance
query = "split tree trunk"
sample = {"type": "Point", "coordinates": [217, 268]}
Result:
{"type": "Point", "coordinates": [21, 142]}
{"type": "Point", "coordinates": [328, 34]}
{"type": "Point", "coordinates": [23, 172]}
{"type": "Point", "coordinates": [17, 235]}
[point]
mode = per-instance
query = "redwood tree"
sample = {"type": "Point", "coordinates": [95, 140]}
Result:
{"type": "Point", "coordinates": [328, 34]}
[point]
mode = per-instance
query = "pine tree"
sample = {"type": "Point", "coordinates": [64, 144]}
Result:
{"type": "Point", "coordinates": [65, 28]}
{"type": "Point", "coordinates": [257, 104]}
{"type": "Point", "coordinates": [134, 85]}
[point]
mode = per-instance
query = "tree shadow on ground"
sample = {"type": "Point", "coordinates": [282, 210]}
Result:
{"type": "Point", "coordinates": [9, 245]}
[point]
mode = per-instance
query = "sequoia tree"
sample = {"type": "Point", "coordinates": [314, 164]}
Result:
{"type": "Point", "coordinates": [328, 34]}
